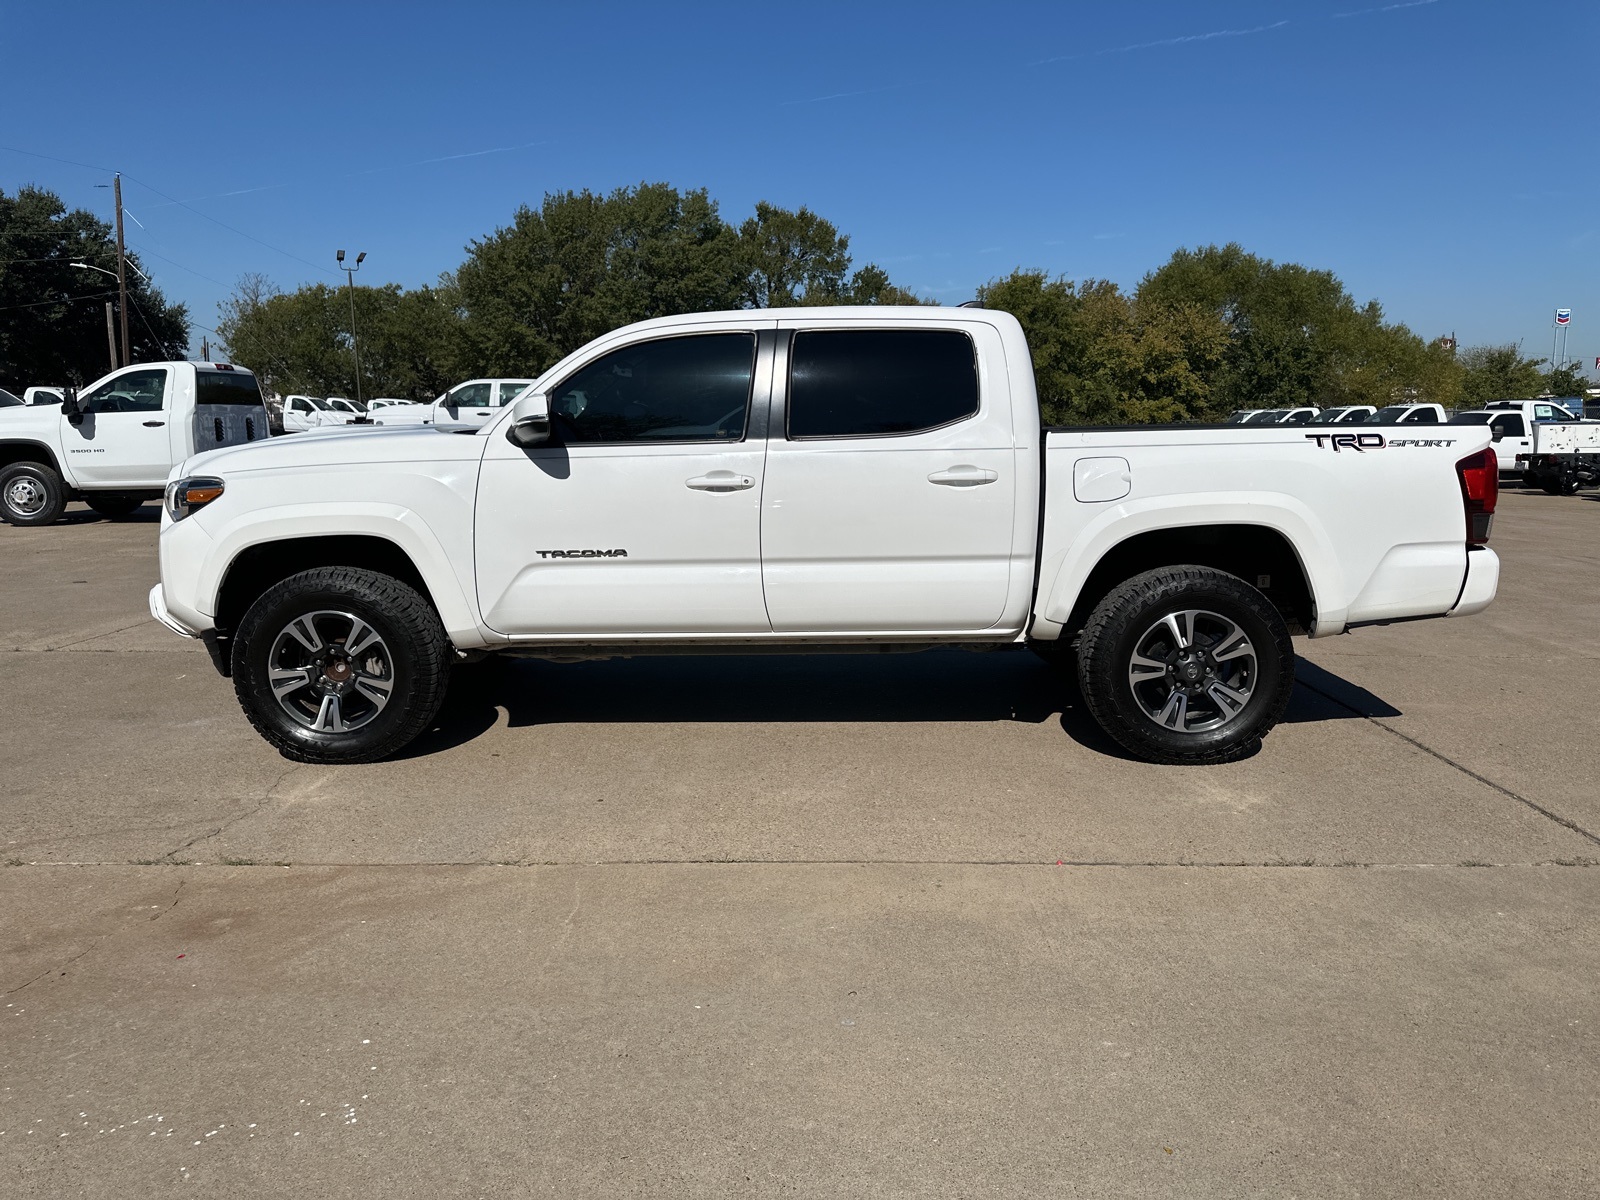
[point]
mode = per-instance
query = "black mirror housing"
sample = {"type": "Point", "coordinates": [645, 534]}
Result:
{"type": "Point", "coordinates": [70, 408]}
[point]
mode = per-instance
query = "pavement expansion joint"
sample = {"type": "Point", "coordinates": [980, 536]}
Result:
{"type": "Point", "coordinates": [559, 864]}
{"type": "Point", "coordinates": [1564, 822]}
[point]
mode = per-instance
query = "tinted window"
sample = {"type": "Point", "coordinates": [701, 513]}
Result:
{"type": "Point", "coordinates": [7, 400]}
{"type": "Point", "coordinates": [866, 383]}
{"type": "Point", "coordinates": [682, 389]}
{"type": "Point", "coordinates": [1471, 418]}
{"type": "Point", "coordinates": [1422, 416]}
{"type": "Point", "coordinates": [225, 387]}
{"type": "Point", "coordinates": [1511, 426]}
{"type": "Point", "coordinates": [469, 395]}
{"type": "Point", "coordinates": [137, 391]}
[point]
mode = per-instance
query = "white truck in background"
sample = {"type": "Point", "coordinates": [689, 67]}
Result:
{"type": "Point", "coordinates": [858, 479]}
{"type": "Point", "coordinates": [467, 405]}
{"type": "Point", "coordinates": [1565, 456]}
{"type": "Point", "coordinates": [114, 444]}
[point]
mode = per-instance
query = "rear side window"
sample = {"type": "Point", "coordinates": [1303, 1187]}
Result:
{"type": "Point", "coordinates": [226, 387]}
{"type": "Point", "coordinates": [879, 382]}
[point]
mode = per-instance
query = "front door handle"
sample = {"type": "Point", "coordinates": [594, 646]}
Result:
{"type": "Point", "coordinates": [721, 481]}
{"type": "Point", "coordinates": [964, 476]}
{"type": "Point", "coordinates": [154, 424]}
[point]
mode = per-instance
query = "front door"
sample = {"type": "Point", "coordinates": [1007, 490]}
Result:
{"type": "Point", "coordinates": [891, 483]}
{"type": "Point", "coordinates": [125, 438]}
{"type": "Point", "coordinates": [642, 513]}
{"type": "Point", "coordinates": [1511, 439]}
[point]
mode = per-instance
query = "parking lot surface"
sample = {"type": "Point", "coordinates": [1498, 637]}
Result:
{"type": "Point", "coordinates": [896, 925]}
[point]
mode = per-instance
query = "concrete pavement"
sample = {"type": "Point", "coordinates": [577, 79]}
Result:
{"type": "Point", "coordinates": [797, 926]}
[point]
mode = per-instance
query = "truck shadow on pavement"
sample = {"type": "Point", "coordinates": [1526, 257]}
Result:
{"type": "Point", "coordinates": [939, 685]}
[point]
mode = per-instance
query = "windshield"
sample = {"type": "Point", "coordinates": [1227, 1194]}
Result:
{"type": "Point", "coordinates": [1472, 418]}
{"type": "Point", "coordinates": [1238, 418]}
{"type": "Point", "coordinates": [7, 400]}
{"type": "Point", "coordinates": [1270, 416]}
{"type": "Point", "coordinates": [1389, 415]}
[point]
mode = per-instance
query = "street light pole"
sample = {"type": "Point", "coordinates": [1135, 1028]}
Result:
{"type": "Point", "coordinates": [355, 349]}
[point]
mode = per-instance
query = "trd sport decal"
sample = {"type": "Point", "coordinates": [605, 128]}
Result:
{"type": "Point", "coordinates": [582, 553]}
{"type": "Point", "coordinates": [1362, 442]}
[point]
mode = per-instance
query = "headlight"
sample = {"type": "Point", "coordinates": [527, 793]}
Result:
{"type": "Point", "coordinates": [185, 496]}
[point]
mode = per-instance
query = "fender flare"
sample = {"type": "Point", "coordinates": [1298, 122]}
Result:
{"type": "Point", "coordinates": [1063, 574]}
{"type": "Point", "coordinates": [391, 522]}
{"type": "Point", "coordinates": [50, 459]}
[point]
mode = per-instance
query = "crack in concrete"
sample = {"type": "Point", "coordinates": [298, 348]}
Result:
{"type": "Point", "coordinates": [1564, 822]}
{"type": "Point", "coordinates": [265, 800]}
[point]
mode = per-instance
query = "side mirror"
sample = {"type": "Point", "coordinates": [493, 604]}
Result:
{"type": "Point", "coordinates": [530, 421]}
{"type": "Point", "coordinates": [70, 409]}
{"type": "Point", "coordinates": [1496, 434]}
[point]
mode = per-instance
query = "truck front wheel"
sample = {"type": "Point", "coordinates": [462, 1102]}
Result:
{"type": "Point", "coordinates": [31, 494]}
{"type": "Point", "coordinates": [1186, 665]}
{"type": "Point", "coordinates": [340, 665]}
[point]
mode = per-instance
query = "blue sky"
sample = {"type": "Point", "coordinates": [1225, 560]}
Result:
{"type": "Point", "coordinates": [1437, 155]}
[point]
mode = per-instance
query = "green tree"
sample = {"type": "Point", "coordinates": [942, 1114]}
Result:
{"type": "Point", "coordinates": [1101, 356]}
{"type": "Point", "coordinates": [1295, 335]}
{"type": "Point", "coordinates": [1566, 381]}
{"type": "Point", "coordinates": [1498, 373]}
{"type": "Point", "coordinates": [52, 314]}
{"type": "Point", "coordinates": [583, 264]}
{"type": "Point", "coordinates": [410, 342]}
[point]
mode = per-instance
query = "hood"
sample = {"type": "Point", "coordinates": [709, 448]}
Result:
{"type": "Point", "coordinates": [339, 445]}
{"type": "Point", "coordinates": [29, 418]}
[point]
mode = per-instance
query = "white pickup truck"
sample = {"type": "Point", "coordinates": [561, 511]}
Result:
{"type": "Point", "coordinates": [817, 479]}
{"type": "Point", "coordinates": [471, 404]}
{"type": "Point", "coordinates": [113, 445]}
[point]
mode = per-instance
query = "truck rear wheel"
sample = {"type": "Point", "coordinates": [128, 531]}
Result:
{"type": "Point", "coordinates": [340, 665]}
{"type": "Point", "coordinates": [1186, 665]}
{"type": "Point", "coordinates": [114, 505]}
{"type": "Point", "coordinates": [31, 494]}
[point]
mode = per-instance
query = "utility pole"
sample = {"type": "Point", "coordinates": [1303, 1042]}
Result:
{"type": "Point", "coordinates": [350, 277]}
{"type": "Point", "coordinates": [111, 336]}
{"type": "Point", "coordinates": [205, 349]}
{"type": "Point", "coordinates": [122, 270]}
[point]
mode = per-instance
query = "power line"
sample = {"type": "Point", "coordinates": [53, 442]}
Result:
{"type": "Point", "coordinates": [179, 265]}
{"type": "Point", "coordinates": [229, 228]}
{"type": "Point", "coordinates": [52, 158]}
{"type": "Point", "coordinates": [59, 300]}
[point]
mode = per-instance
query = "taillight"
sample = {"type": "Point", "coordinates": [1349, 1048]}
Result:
{"type": "Point", "coordinates": [1480, 489]}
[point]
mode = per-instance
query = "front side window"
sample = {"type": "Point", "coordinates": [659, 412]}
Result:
{"type": "Point", "coordinates": [1422, 416]}
{"type": "Point", "coordinates": [879, 382]}
{"type": "Point", "coordinates": [137, 391]}
{"type": "Point", "coordinates": [469, 395]}
{"type": "Point", "coordinates": [679, 389]}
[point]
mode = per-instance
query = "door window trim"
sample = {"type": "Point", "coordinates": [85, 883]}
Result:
{"type": "Point", "coordinates": [784, 365]}
{"type": "Point", "coordinates": [757, 397]}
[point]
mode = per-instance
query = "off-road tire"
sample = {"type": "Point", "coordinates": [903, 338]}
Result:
{"type": "Point", "coordinates": [1111, 636]}
{"type": "Point", "coordinates": [39, 480]}
{"type": "Point", "coordinates": [114, 506]}
{"type": "Point", "coordinates": [421, 653]}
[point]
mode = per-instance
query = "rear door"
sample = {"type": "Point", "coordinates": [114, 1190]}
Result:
{"type": "Point", "coordinates": [890, 489]}
{"type": "Point", "coordinates": [124, 438]}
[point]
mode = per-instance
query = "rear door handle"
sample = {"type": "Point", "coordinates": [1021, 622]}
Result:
{"type": "Point", "coordinates": [721, 481]}
{"type": "Point", "coordinates": [154, 424]}
{"type": "Point", "coordinates": [964, 476]}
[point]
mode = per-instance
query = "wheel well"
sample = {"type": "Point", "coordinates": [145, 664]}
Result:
{"type": "Point", "coordinates": [15, 452]}
{"type": "Point", "coordinates": [259, 567]}
{"type": "Point", "coordinates": [1262, 557]}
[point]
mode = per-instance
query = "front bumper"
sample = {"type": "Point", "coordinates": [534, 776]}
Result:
{"type": "Point", "coordinates": [1481, 583]}
{"type": "Point", "coordinates": [158, 610]}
